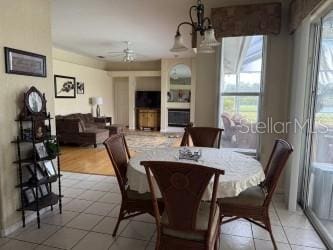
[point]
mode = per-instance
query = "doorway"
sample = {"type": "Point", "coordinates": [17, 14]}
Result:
{"type": "Point", "coordinates": [121, 100]}
{"type": "Point", "coordinates": [318, 182]}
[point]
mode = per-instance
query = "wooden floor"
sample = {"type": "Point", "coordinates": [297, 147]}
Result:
{"type": "Point", "coordinates": [87, 160]}
{"type": "Point", "coordinates": [91, 160]}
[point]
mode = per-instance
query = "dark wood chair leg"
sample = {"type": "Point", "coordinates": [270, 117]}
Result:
{"type": "Point", "coordinates": [269, 229]}
{"type": "Point", "coordinates": [120, 218]}
{"type": "Point", "coordinates": [217, 242]}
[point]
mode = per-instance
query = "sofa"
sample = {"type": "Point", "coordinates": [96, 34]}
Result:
{"type": "Point", "coordinates": [80, 129]}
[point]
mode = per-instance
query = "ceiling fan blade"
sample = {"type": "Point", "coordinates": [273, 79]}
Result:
{"type": "Point", "coordinates": [116, 55]}
{"type": "Point", "coordinates": [111, 52]}
{"type": "Point", "coordinates": [141, 55]}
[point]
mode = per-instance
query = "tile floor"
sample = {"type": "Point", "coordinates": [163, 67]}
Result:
{"type": "Point", "coordinates": [91, 207]}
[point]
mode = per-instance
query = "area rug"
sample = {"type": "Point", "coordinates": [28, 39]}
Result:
{"type": "Point", "coordinates": [91, 160]}
{"type": "Point", "coordinates": [141, 141]}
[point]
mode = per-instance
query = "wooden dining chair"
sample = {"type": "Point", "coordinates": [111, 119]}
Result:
{"type": "Point", "coordinates": [253, 203]}
{"type": "Point", "coordinates": [202, 136]}
{"type": "Point", "coordinates": [132, 203]}
{"type": "Point", "coordinates": [187, 222]}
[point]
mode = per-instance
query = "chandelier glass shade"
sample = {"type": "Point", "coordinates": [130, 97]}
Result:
{"type": "Point", "coordinates": [203, 25]}
{"type": "Point", "coordinates": [209, 39]}
{"type": "Point", "coordinates": [129, 58]}
{"type": "Point", "coordinates": [178, 45]}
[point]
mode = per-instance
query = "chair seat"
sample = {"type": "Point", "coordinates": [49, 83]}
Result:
{"type": "Point", "coordinates": [201, 223]}
{"type": "Point", "coordinates": [253, 197]}
{"type": "Point", "coordinates": [134, 195]}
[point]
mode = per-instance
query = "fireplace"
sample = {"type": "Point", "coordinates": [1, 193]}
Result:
{"type": "Point", "coordinates": [178, 117]}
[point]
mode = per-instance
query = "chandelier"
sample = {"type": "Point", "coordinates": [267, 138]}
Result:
{"type": "Point", "coordinates": [203, 25]}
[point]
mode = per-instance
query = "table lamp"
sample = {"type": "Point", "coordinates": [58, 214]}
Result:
{"type": "Point", "coordinates": [97, 101]}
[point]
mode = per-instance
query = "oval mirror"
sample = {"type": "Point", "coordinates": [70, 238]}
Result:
{"type": "Point", "coordinates": [180, 74]}
{"type": "Point", "coordinates": [35, 102]}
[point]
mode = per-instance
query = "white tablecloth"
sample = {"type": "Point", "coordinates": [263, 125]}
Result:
{"type": "Point", "coordinates": [241, 171]}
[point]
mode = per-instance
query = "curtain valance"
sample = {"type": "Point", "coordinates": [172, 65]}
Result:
{"type": "Point", "coordinates": [245, 20]}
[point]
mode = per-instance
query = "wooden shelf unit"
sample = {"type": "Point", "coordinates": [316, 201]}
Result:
{"type": "Point", "coordinates": [148, 118]}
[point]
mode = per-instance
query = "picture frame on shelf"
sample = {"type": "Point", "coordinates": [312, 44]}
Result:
{"type": "Point", "coordinates": [27, 134]}
{"type": "Point", "coordinates": [40, 130]}
{"type": "Point", "coordinates": [64, 86]}
{"type": "Point", "coordinates": [80, 88]}
{"type": "Point", "coordinates": [21, 62]}
{"type": "Point", "coordinates": [26, 175]}
{"type": "Point", "coordinates": [39, 193]}
{"type": "Point", "coordinates": [49, 168]}
{"type": "Point", "coordinates": [44, 190]}
{"type": "Point", "coordinates": [39, 171]}
{"type": "Point", "coordinates": [41, 150]}
{"type": "Point", "coordinates": [29, 195]}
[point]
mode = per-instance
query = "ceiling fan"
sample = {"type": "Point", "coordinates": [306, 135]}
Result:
{"type": "Point", "coordinates": [128, 54]}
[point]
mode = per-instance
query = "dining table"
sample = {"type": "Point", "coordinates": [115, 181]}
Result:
{"type": "Point", "coordinates": [240, 171]}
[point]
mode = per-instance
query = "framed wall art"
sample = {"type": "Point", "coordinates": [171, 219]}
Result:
{"type": "Point", "coordinates": [64, 86]}
{"type": "Point", "coordinates": [80, 88]}
{"type": "Point", "coordinates": [24, 63]}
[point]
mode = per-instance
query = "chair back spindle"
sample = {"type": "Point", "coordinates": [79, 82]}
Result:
{"type": "Point", "coordinates": [117, 149]}
{"type": "Point", "coordinates": [182, 186]}
{"type": "Point", "coordinates": [276, 163]}
{"type": "Point", "coordinates": [202, 136]}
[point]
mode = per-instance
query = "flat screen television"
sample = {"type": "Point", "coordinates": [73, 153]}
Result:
{"type": "Point", "coordinates": [148, 99]}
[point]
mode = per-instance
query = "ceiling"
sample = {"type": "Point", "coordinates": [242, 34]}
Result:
{"type": "Point", "coordinates": [97, 27]}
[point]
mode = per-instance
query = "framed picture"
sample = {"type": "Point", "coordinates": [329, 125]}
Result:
{"type": "Point", "coordinates": [39, 193]}
{"type": "Point", "coordinates": [41, 150]}
{"type": "Point", "coordinates": [80, 88]}
{"type": "Point", "coordinates": [24, 63]}
{"type": "Point", "coordinates": [29, 195]}
{"type": "Point", "coordinates": [39, 171]}
{"type": "Point", "coordinates": [40, 130]}
{"type": "Point", "coordinates": [49, 168]}
{"type": "Point", "coordinates": [26, 174]}
{"type": "Point", "coordinates": [44, 190]}
{"type": "Point", "coordinates": [64, 86]}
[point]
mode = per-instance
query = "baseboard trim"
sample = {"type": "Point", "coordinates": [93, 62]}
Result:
{"type": "Point", "coordinates": [29, 218]}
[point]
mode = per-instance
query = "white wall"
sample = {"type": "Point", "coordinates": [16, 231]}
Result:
{"type": "Point", "coordinates": [206, 98]}
{"type": "Point", "coordinates": [24, 25]}
{"type": "Point", "coordinates": [134, 66]}
{"type": "Point", "coordinates": [121, 110]}
{"type": "Point", "coordinates": [97, 82]}
{"type": "Point", "coordinates": [74, 58]}
{"type": "Point", "coordinates": [276, 84]}
{"type": "Point", "coordinates": [148, 83]}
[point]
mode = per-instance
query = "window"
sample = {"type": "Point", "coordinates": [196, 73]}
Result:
{"type": "Point", "coordinates": [241, 73]}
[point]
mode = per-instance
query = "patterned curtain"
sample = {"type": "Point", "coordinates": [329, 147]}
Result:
{"type": "Point", "coordinates": [245, 20]}
{"type": "Point", "coordinates": [300, 9]}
